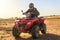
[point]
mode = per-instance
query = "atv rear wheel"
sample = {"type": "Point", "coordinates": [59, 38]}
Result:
{"type": "Point", "coordinates": [15, 32]}
{"type": "Point", "coordinates": [35, 31]}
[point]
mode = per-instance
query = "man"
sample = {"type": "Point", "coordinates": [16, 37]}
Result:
{"type": "Point", "coordinates": [34, 13]}
{"type": "Point", "coordinates": [32, 10]}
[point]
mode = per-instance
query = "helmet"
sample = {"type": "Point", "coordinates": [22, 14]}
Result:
{"type": "Point", "coordinates": [31, 5]}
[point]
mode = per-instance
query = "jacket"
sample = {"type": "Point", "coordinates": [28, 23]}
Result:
{"type": "Point", "coordinates": [33, 12]}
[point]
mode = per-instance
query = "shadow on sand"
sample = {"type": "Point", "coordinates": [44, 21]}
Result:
{"type": "Point", "coordinates": [42, 37]}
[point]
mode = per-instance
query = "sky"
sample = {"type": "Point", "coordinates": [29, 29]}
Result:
{"type": "Point", "coordinates": [12, 8]}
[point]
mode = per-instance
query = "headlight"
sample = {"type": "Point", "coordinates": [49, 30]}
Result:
{"type": "Point", "coordinates": [29, 23]}
{"type": "Point", "coordinates": [16, 22]}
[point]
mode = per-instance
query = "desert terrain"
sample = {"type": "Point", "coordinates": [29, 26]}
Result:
{"type": "Point", "coordinates": [52, 25]}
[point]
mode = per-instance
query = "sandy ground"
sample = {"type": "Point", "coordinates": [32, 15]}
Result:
{"type": "Point", "coordinates": [53, 30]}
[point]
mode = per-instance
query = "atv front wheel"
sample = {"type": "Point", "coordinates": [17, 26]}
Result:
{"type": "Point", "coordinates": [35, 31]}
{"type": "Point", "coordinates": [15, 32]}
{"type": "Point", "coordinates": [43, 28]}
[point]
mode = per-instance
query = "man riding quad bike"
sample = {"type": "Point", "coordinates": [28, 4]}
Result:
{"type": "Point", "coordinates": [31, 24]}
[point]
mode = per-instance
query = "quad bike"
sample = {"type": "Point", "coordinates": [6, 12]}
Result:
{"type": "Point", "coordinates": [32, 26]}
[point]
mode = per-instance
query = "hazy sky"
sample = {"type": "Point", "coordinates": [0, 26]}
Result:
{"type": "Point", "coordinates": [12, 8]}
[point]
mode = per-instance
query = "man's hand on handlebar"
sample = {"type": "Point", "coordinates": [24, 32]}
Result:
{"type": "Point", "coordinates": [23, 12]}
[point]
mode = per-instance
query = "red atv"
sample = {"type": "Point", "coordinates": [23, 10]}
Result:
{"type": "Point", "coordinates": [29, 25]}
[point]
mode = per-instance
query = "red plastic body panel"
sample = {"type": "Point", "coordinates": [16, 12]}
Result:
{"type": "Point", "coordinates": [26, 28]}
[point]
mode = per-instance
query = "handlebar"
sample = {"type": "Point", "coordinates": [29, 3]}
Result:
{"type": "Point", "coordinates": [23, 12]}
